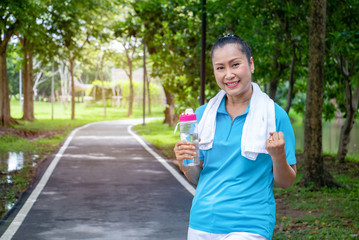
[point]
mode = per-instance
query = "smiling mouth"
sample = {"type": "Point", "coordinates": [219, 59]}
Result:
{"type": "Point", "coordinates": [232, 84]}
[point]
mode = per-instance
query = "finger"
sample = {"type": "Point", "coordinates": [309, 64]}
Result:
{"type": "Point", "coordinates": [181, 145]}
{"type": "Point", "coordinates": [281, 135]}
{"type": "Point", "coordinates": [275, 136]}
{"type": "Point", "coordinates": [182, 142]}
{"type": "Point", "coordinates": [180, 148]}
{"type": "Point", "coordinates": [185, 155]}
{"type": "Point", "coordinates": [186, 147]}
{"type": "Point", "coordinates": [278, 137]}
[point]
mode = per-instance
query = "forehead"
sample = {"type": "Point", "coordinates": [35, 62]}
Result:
{"type": "Point", "coordinates": [228, 51]}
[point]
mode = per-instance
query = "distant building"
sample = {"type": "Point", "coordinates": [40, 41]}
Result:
{"type": "Point", "coordinates": [118, 74]}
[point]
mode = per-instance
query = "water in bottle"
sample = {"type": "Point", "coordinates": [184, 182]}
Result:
{"type": "Point", "coordinates": [189, 132]}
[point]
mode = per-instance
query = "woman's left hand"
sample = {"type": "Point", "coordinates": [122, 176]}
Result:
{"type": "Point", "coordinates": [283, 173]}
{"type": "Point", "coordinates": [275, 145]}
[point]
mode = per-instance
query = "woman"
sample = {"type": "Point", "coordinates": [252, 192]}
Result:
{"type": "Point", "coordinates": [247, 141]}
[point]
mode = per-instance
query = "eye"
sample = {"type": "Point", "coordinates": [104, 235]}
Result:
{"type": "Point", "coordinates": [219, 68]}
{"type": "Point", "coordinates": [236, 64]}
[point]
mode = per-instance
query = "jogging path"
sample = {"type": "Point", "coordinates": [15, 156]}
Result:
{"type": "Point", "coordinates": [105, 182]}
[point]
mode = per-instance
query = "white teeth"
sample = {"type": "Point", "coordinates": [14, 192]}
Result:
{"type": "Point", "coordinates": [231, 84]}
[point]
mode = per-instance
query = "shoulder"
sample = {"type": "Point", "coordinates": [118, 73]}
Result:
{"type": "Point", "coordinates": [199, 112]}
{"type": "Point", "coordinates": [282, 119]}
{"type": "Point", "coordinates": [280, 114]}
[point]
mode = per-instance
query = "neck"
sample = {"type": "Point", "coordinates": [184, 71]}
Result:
{"type": "Point", "coordinates": [240, 99]}
{"type": "Point", "coordinates": [236, 105]}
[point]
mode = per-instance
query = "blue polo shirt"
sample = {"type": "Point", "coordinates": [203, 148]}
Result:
{"type": "Point", "coordinates": [235, 194]}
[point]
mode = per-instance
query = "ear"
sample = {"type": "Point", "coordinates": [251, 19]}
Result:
{"type": "Point", "coordinates": [251, 62]}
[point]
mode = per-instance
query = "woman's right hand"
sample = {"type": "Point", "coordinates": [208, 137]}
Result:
{"type": "Point", "coordinates": [184, 150]}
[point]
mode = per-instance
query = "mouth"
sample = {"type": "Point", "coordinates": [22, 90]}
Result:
{"type": "Point", "coordinates": [232, 84]}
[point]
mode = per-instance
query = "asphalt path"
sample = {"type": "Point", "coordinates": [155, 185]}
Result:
{"type": "Point", "coordinates": [105, 182]}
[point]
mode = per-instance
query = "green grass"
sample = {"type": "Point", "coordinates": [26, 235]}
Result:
{"type": "Point", "coordinates": [62, 121]}
{"type": "Point", "coordinates": [302, 213]}
{"type": "Point", "coordinates": [330, 213]}
{"type": "Point", "coordinates": [93, 112]}
{"type": "Point", "coordinates": [160, 135]}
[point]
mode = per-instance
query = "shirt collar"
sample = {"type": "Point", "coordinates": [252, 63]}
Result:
{"type": "Point", "coordinates": [222, 107]}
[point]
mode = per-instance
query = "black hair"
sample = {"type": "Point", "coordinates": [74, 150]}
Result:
{"type": "Point", "coordinates": [233, 39]}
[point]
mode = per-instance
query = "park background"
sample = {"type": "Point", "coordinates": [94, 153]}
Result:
{"type": "Point", "coordinates": [68, 63]}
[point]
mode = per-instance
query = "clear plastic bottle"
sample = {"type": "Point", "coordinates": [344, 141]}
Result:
{"type": "Point", "coordinates": [189, 132]}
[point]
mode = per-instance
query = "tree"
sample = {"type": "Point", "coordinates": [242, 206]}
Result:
{"type": "Point", "coordinates": [314, 172]}
{"type": "Point", "coordinates": [13, 67]}
{"type": "Point", "coordinates": [97, 55]}
{"type": "Point", "coordinates": [73, 23]}
{"type": "Point", "coordinates": [11, 13]}
{"type": "Point", "coordinates": [173, 40]}
{"type": "Point", "coordinates": [343, 70]}
{"type": "Point", "coordinates": [31, 34]}
{"type": "Point", "coordinates": [130, 43]}
{"type": "Point", "coordinates": [27, 77]}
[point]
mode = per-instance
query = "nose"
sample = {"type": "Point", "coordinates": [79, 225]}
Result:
{"type": "Point", "coordinates": [229, 74]}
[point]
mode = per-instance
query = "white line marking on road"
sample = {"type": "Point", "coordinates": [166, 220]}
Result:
{"type": "Point", "coordinates": [21, 215]}
{"type": "Point", "coordinates": [178, 176]}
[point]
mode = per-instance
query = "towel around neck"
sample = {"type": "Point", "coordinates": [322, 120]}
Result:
{"type": "Point", "coordinates": [260, 121]}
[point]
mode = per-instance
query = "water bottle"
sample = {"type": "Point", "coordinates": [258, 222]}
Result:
{"type": "Point", "coordinates": [189, 132]}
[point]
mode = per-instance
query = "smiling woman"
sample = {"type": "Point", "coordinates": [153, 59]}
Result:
{"type": "Point", "coordinates": [233, 74]}
{"type": "Point", "coordinates": [247, 142]}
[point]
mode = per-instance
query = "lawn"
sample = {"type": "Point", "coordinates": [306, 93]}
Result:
{"type": "Point", "coordinates": [302, 213]}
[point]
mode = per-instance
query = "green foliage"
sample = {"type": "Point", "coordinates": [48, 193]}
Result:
{"type": "Point", "coordinates": [175, 47]}
{"type": "Point", "coordinates": [13, 67]}
{"type": "Point", "coordinates": [172, 38]}
{"type": "Point", "coordinates": [343, 44]}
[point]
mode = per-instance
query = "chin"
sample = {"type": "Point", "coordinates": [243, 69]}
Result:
{"type": "Point", "coordinates": [242, 90]}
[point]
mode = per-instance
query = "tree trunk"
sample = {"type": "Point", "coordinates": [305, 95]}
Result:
{"type": "Point", "coordinates": [313, 172]}
{"type": "Point", "coordinates": [291, 81]}
{"type": "Point", "coordinates": [170, 117]}
{"type": "Point", "coordinates": [148, 94]}
{"type": "Point", "coordinates": [72, 88]}
{"type": "Point", "coordinates": [28, 109]}
{"type": "Point", "coordinates": [5, 118]}
{"type": "Point", "coordinates": [273, 84]}
{"type": "Point", "coordinates": [103, 88]}
{"type": "Point", "coordinates": [25, 75]}
{"type": "Point", "coordinates": [132, 95]}
{"type": "Point", "coordinates": [351, 108]}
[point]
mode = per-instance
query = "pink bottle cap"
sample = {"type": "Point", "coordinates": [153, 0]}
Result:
{"type": "Point", "coordinates": [187, 117]}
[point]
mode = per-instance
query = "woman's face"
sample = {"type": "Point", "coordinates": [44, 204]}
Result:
{"type": "Point", "coordinates": [232, 70]}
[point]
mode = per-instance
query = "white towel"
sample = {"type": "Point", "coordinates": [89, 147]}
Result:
{"type": "Point", "coordinates": [260, 121]}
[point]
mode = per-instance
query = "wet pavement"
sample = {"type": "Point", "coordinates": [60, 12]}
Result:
{"type": "Point", "coordinates": [104, 183]}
